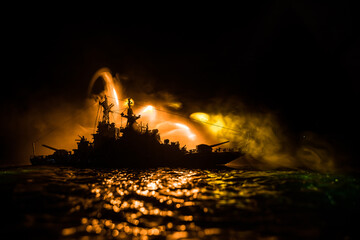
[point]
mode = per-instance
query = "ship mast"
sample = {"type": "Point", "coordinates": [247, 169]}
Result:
{"type": "Point", "coordinates": [131, 117]}
{"type": "Point", "coordinates": [106, 110]}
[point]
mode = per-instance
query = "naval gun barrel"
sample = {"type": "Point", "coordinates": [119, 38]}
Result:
{"type": "Point", "coordinates": [52, 148]}
{"type": "Point", "coordinates": [214, 145]}
{"type": "Point", "coordinates": [204, 148]}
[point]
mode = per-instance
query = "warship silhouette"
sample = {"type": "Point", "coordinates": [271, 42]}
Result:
{"type": "Point", "coordinates": [134, 146]}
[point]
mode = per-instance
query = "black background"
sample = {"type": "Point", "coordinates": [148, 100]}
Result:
{"type": "Point", "coordinates": [299, 60]}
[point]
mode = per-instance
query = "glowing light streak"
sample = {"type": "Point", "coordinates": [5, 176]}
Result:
{"type": "Point", "coordinates": [182, 126]}
{"type": "Point", "coordinates": [153, 115]}
{"type": "Point", "coordinates": [181, 129]}
{"type": "Point", "coordinates": [148, 109]}
{"type": "Point", "coordinates": [110, 84]}
{"type": "Point", "coordinates": [116, 97]}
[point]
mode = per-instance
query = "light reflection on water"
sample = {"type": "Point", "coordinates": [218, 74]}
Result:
{"type": "Point", "coordinates": [166, 203]}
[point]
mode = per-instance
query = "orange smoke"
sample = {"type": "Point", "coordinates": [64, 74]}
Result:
{"type": "Point", "coordinates": [259, 135]}
{"type": "Point", "coordinates": [171, 127]}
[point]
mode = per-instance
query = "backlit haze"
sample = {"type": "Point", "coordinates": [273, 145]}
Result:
{"type": "Point", "coordinates": [258, 134]}
{"type": "Point", "coordinates": [279, 80]}
{"type": "Point", "coordinates": [154, 113]}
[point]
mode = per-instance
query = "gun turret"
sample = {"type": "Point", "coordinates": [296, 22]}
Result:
{"type": "Point", "coordinates": [60, 156]}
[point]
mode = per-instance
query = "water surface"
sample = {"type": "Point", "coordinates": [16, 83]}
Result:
{"type": "Point", "coordinates": [71, 203]}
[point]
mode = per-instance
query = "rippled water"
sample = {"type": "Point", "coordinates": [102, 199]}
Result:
{"type": "Point", "coordinates": [70, 203]}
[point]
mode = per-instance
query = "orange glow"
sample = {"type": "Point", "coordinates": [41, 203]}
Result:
{"type": "Point", "coordinates": [148, 114]}
{"type": "Point", "coordinates": [170, 126]}
{"type": "Point", "coordinates": [112, 85]}
{"type": "Point", "coordinates": [125, 103]}
{"type": "Point", "coordinates": [155, 114]}
{"type": "Point", "coordinates": [148, 109]}
{"type": "Point", "coordinates": [190, 135]}
{"type": "Point", "coordinates": [182, 126]}
{"type": "Point", "coordinates": [200, 116]}
{"type": "Point", "coordinates": [257, 134]}
{"type": "Point", "coordinates": [218, 124]}
{"type": "Point", "coordinates": [215, 123]}
{"type": "Point", "coordinates": [170, 189]}
{"type": "Point", "coordinates": [175, 105]}
{"type": "Point", "coordinates": [116, 97]}
{"type": "Point", "coordinates": [176, 130]}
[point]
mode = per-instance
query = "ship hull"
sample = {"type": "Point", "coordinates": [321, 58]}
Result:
{"type": "Point", "coordinates": [142, 160]}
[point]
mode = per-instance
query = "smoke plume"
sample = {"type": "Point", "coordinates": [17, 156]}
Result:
{"type": "Point", "coordinates": [260, 134]}
{"type": "Point", "coordinates": [266, 141]}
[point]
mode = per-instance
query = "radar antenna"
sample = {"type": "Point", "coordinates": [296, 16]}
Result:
{"type": "Point", "coordinates": [131, 117]}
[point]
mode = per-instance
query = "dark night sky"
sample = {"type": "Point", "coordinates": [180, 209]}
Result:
{"type": "Point", "coordinates": [298, 59]}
